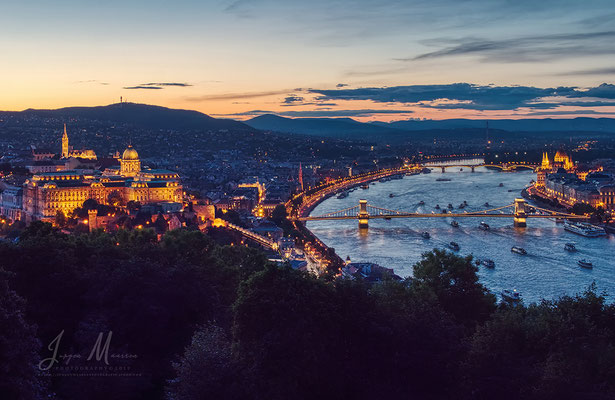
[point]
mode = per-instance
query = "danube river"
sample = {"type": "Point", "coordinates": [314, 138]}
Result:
{"type": "Point", "coordinates": [547, 271]}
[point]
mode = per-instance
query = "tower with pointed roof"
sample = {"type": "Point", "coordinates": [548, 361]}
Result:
{"type": "Point", "coordinates": [546, 164]}
{"type": "Point", "coordinates": [65, 148]}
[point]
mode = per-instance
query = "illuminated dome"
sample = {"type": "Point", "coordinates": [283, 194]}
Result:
{"type": "Point", "coordinates": [130, 154]}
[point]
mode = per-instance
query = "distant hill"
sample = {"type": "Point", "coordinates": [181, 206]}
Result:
{"type": "Point", "coordinates": [144, 116]}
{"type": "Point", "coordinates": [338, 128]}
{"type": "Point", "coordinates": [401, 131]}
{"type": "Point", "coordinates": [512, 125]}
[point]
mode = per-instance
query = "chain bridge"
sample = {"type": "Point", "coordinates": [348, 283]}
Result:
{"type": "Point", "coordinates": [519, 211]}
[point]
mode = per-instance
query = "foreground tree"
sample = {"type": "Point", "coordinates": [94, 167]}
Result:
{"type": "Point", "coordinates": [18, 349]}
{"type": "Point", "coordinates": [207, 369]}
{"type": "Point", "coordinates": [452, 282]}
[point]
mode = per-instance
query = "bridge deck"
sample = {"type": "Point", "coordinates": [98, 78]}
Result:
{"type": "Point", "coordinates": [463, 215]}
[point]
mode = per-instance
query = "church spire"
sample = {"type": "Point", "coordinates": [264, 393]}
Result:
{"type": "Point", "coordinates": [65, 148]}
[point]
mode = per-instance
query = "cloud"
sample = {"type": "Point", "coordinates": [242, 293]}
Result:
{"type": "Point", "coordinates": [476, 97]}
{"type": "Point", "coordinates": [574, 112]}
{"type": "Point", "coordinates": [522, 49]}
{"type": "Point", "coordinates": [604, 91]}
{"type": "Point", "coordinates": [341, 85]}
{"type": "Point", "coordinates": [293, 99]}
{"type": "Point", "coordinates": [237, 96]}
{"type": "Point", "coordinates": [595, 71]}
{"type": "Point", "coordinates": [178, 84]}
{"type": "Point", "coordinates": [143, 87]}
{"type": "Point", "coordinates": [325, 113]}
{"type": "Point", "coordinates": [158, 85]}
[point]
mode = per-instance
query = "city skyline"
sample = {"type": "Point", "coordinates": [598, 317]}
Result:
{"type": "Point", "coordinates": [391, 61]}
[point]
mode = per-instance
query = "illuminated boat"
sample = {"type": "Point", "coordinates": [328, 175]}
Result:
{"type": "Point", "coordinates": [488, 263]}
{"type": "Point", "coordinates": [518, 250]}
{"type": "Point", "coordinates": [584, 229]}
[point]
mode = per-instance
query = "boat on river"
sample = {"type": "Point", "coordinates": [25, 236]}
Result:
{"type": "Point", "coordinates": [342, 195]}
{"type": "Point", "coordinates": [365, 186]}
{"type": "Point", "coordinates": [585, 264]}
{"type": "Point", "coordinates": [437, 206]}
{"type": "Point", "coordinates": [421, 203]}
{"type": "Point", "coordinates": [511, 295]}
{"type": "Point", "coordinates": [570, 247]}
{"type": "Point", "coordinates": [443, 180]}
{"type": "Point", "coordinates": [454, 224]}
{"type": "Point", "coordinates": [518, 250]}
{"type": "Point", "coordinates": [391, 195]}
{"type": "Point", "coordinates": [488, 263]}
{"type": "Point", "coordinates": [584, 229]}
{"type": "Point", "coordinates": [454, 246]}
{"type": "Point", "coordinates": [484, 226]}
{"type": "Point", "coordinates": [425, 235]}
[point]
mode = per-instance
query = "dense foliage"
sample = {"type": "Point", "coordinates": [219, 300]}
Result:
{"type": "Point", "coordinates": [197, 320]}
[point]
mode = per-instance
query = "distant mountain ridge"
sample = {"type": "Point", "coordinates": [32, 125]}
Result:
{"type": "Point", "coordinates": [398, 131]}
{"type": "Point", "coordinates": [579, 124]}
{"type": "Point", "coordinates": [339, 128]}
{"type": "Point", "coordinates": [144, 116]}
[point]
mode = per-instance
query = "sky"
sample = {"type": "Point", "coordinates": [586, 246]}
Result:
{"type": "Point", "coordinates": [363, 59]}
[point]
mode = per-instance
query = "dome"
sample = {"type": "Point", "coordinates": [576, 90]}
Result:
{"type": "Point", "coordinates": [130, 154]}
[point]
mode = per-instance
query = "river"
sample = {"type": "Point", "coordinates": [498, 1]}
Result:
{"type": "Point", "coordinates": [547, 271]}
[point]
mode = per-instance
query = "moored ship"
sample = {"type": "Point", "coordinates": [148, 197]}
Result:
{"type": "Point", "coordinates": [584, 229]}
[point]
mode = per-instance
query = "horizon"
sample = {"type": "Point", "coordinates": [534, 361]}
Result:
{"type": "Point", "coordinates": [370, 62]}
{"type": "Point", "coordinates": [247, 118]}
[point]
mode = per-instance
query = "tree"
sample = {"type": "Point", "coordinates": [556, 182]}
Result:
{"type": "Point", "coordinates": [115, 199]}
{"type": "Point", "coordinates": [90, 204]}
{"type": "Point", "coordinates": [18, 349]}
{"type": "Point", "coordinates": [207, 370]}
{"type": "Point", "coordinates": [453, 282]}
{"type": "Point", "coordinates": [60, 220]}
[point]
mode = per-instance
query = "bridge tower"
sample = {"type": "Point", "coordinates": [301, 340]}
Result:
{"type": "Point", "coordinates": [520, 213]}
{"type": "Point", "coordinates": [363, 214]}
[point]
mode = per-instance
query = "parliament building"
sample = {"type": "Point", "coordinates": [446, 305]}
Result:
{"type": "Point", "coordinates": [45, 194]}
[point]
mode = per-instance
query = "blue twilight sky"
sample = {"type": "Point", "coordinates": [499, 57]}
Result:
{"type": "Point", "coordinates": [365, 59]}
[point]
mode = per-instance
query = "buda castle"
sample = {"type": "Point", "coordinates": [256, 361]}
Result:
{"type": "Point", "coordinates": [44, 194]}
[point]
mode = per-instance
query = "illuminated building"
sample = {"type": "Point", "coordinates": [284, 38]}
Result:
{"type": "Point", "coordinates": [47, 193]}
{"type": "Point", "coordinates": [68, 151]}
